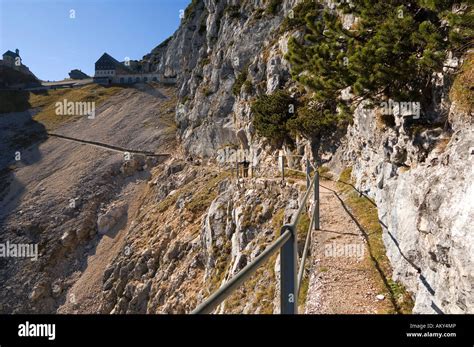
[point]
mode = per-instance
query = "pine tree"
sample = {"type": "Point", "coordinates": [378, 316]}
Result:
{"type": "Point", "coordinates": [271, 114]}
{"type": "Point", "coordinates": [392, 51]}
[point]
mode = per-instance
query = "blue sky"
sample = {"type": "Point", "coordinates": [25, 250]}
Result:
{"type": "Point", "coordinates": [51, 43]}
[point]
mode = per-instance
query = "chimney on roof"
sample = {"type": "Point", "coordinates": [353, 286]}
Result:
{"type": "Point", "coordinates": [17, 51]}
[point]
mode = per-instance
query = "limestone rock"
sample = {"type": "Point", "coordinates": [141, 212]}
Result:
{"type": "Point", "coordinates": [108, 220]}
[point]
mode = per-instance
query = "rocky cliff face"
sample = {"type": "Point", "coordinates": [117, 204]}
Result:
{"type": "Point", "coordinates": [217, 42]}
{"type": "Point", "coordinates": [422, 184]}
{"type": "Point", "coordinates": [421, 179]}
{"type": "Point", "coordinates": [195, 230]}
{"type": "Point", "coordinates": [226, 52]}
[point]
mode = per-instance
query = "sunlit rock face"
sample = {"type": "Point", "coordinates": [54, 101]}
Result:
{"type": "Point", "coordinates": [216, 41]}
{"type": "Point", "coordinates": [423, 187]}
{"type": "Point", "coordinates": [422, 184]}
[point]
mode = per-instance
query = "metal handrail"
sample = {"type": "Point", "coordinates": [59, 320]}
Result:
{"type": "Point", "coordinates": [305, 251]}
{"type": "Point", "coordinates": [302, 206]}
{"type": "Point", "coordinates": [289, 257]}
{"type": "Point", "coordinates": [290, 278]}
{"type": "Point", "coordinates": [225, 290]}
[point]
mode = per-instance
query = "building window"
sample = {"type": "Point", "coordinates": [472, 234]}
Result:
{"type": "Point", "coordinates": [130, 80]}
{"type": "Point", "coordinates": [154, 79]}
{"type": "Point", "coordinates": [122, 80]}
{"type": "Point", "coordinates": [145, 79]}
{"type": "Point", "coordinates": [137, 79]}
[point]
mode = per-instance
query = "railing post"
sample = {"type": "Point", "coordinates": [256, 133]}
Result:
{"type": "Point", "coordinates": [316, 199]}
{"type": "Point", "coordinates": [308, 173]}
{"type": "Point", "coordinates": [288, 274]}
{"type": "Point", "coordinates": [282, 163]}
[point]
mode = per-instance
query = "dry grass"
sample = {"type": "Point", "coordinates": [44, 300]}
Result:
{"type": "Point", "coordinates": [294, 173]}
{"type": "Point", "coordinates": [302, 228]}
{"type": "Point", "coordinates": [303, 292]}
{"type": "Point", "coordinates": [203, 197]}
{"type": "Point", "coordinates": [259, 289]}
{"type": "Point", "coordinates": [47, 102]}
{"type": "Point", "coordinates": [325, 173]}
{"type": "Point", "coordinates": [462, 91]}
{"type": "Point", "coordinates": [277, 221]}
{"type": "Point", "coordinates": [441, 145]}
{"type": "Point", "coordinates": [403, 169]}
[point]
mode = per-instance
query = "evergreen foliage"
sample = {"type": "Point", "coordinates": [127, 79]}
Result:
{"type": "Point", "coordinates": [271, 115]}
{"type": "Point", "coordinates": [391, 51]}
{"type": "Point", "coordinates": [240, 80]}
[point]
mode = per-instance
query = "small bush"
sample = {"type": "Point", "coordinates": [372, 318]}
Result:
{"type": "Point", "coordinates": [239, 82]}
{"type": "Point", "coordinates": [190, 11]}
{"type": "Point", "coordinates": [388, 120]}
{"type": "Point", "coordinates": [248, 86]}
{"type": "Point", "coordinates": [299, 13]}
{"type": "Point", "coordinates": [205, 61]}
{"type": "Point", "coordinates": [258, 14]}
{"type": "Point", "coordinates": [274, 121]}
{"type": "Point", "coordinates": [207, 91]}
{"type": "Point", "coordinates": [203, 26]}
{"type": "Point", "coordinates": [273, 6]}
{"type": "Point", "coordinates": [233, 11]}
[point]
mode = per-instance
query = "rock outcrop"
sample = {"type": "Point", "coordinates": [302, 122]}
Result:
{"type": "Point", "coordinates": [421, 178]}
{"type": "Point", "coordinates": [217, 42]}
{"type": "Point", "coordinates": [423, 186]}
{"type": "Point", "coordinates": [189, 238]}
{"type": "Point", "coordinates": [195, 227]}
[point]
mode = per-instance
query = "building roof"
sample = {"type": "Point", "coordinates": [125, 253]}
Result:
{"type": "Point", "coordinates": [107, 58]}
{"type": "Point", "coordinates": [77, 74]}
{"type": "Point", "coordinates": [11, 54]}
{"type": "Point", "coordinates": [106, 61]}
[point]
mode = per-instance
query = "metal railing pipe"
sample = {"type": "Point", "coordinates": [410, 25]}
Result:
{"type": "Point", "coordinates": [288, 273]}
{"type": "Point", "coordinates": [305, 251]}
{"type": "Point", "coordinates": [290, 276]}
{"type": "Point", "coordinates": [308, 177]}
{"type": "Point", "coordinates": [296, 217]}
{"type": "Point", "coordinates": [226, 289]}
{"type": "Point", "coordinates": [316, 199]}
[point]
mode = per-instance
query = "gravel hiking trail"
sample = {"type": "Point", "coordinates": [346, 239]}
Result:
{"type": "Point", "coordinates": [342, 277]}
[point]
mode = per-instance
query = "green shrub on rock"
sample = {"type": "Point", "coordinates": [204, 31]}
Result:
{"type": "Point", "coordinates": [271, 114]}
{"type": "Point", "coordinates": [392, 50]}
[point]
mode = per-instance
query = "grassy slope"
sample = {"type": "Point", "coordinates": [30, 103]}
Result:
{"type": "Point", "coordinates": [46, 101]}
{"type": "Point", "coordinates": [18, 101]}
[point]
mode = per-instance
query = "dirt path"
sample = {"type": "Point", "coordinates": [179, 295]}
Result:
{"type": "Point", "coordinates": [109, 147]}
{"type": "Point", "coordinates": [56, 172]}
{"type": "Point", "coordinates": [342, 278]}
